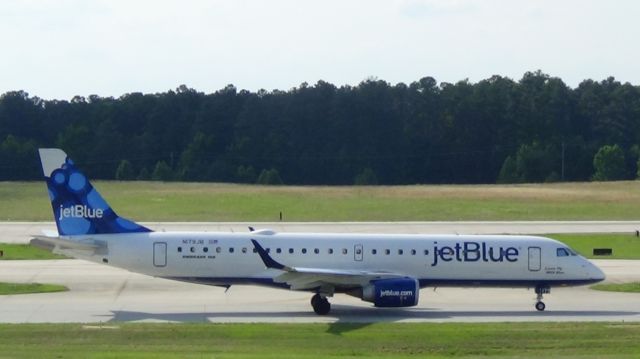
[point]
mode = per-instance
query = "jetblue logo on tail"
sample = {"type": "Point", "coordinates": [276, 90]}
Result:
{"type": "Point", "coordinates": [80, 211]}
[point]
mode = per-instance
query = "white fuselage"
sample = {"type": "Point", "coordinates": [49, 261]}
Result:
{"type": "Point", "coordinates": [439, 260]}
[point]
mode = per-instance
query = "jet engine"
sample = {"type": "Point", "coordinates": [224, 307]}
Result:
{"type": "Point", "coordinates": [394, 292]}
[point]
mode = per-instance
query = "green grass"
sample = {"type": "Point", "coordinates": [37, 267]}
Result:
{"type": "Point", "coordinates": [25, 251]}
{"type": "Point", "coordinates": [624, 246]}
{"type": "Point", "coordinates": [156, 201]}
{"type": "Point", "coordinates": [27, 288]}
{"type": "Point", "coordinates": [381, 340]}
{"type": "Point", "coordinates": [633, 287]}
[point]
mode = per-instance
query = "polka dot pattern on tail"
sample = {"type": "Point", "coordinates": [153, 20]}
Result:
{"type": "Point", "coordinates": [59, 177]}
{"type": "Point", "coordinates": [77, 182]}
{"type": "Point", "coordinates": [79, 209]}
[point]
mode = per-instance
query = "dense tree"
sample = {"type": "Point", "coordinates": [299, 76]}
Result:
{"type": "Point", "coordinates": [162, 172]}
{"type": "Point", "coordinates": [18, 159]}
{"type": "Point", "coordinates": [531, 130]}
{"type": "Point", "coordinates": [271, 177]}
{"type": "Point", "coordinates": [609, 164]}
{"type": "Point", "coordinates": [509, 171]}
{"type": "Point", "coordinates": [125, 171]}
{"type": "Point", "coordinates": [365, 178]}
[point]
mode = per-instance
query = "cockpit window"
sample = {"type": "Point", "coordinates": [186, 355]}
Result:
{"type": "Point", "coordinates": [572, 252]}
{"type": "Point", "coordinates": [562, 252]}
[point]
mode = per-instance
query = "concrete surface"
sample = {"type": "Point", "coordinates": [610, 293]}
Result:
{"type": "Point", "coordinates": [100, 293]}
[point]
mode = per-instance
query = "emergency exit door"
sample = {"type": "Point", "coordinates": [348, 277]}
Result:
{"type": "Point", "coordinates": [358, 252]}
{"type": "Point", "coordinates": [160, 254]}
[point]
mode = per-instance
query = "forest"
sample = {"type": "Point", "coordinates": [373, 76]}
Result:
{"type": "Point", "coordinates": [497, 130]}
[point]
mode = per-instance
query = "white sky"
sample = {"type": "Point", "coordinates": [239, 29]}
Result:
{"type": "Point", "coordinates": [58, 49]}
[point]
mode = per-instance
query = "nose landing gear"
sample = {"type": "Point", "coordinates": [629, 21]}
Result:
{"type": "Point", "coordinates": [540, 291]}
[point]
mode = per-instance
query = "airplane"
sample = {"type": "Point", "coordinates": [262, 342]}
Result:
{"type": "Point", "coordinates": [387, 270]}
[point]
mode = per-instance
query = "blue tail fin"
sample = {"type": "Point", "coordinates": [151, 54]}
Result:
{"type": "Point", "coordinates": [78, 208]}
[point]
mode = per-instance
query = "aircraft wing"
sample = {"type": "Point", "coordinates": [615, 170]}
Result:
{"type": "Point", "coordinates": [309, 278]}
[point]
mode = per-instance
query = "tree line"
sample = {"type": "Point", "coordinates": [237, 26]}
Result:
{"type": "Point", "coordinates": [535, 129]}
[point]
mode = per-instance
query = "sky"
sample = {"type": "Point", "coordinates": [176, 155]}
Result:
{"type": "Point", "coordinates": [63, 48]}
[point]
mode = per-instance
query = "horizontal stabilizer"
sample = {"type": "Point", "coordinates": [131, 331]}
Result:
{"type": "Point", "coordinates": [49, 243]}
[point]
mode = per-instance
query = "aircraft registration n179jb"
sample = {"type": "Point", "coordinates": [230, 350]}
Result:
{"type": "Point", "coordinates": [387, 270]}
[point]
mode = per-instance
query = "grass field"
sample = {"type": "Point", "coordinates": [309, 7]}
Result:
{"type": "Point", "coordinates": [28, 288]}
{"type": "Point", "coordinates": [624, 246]}
{"type": "Point", "coordinates": [25, 251]}
{"type": "Point", "coordinates": [633, 287]}
{"type": "Point", "coordinates": [381, 340]}
{"type": "Point", "coordinates": [157, 201]}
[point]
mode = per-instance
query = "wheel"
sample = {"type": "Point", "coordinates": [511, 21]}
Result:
{"type": "Point", "coordinates": [315, 300]}
{"type": "Point", "coordinates": [321, 306]}
{"type": "Point", "coordinates": [540, 306]}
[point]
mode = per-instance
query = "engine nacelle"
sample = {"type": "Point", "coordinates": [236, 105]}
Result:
{"type": "Point", "coordinates": [395, 292]}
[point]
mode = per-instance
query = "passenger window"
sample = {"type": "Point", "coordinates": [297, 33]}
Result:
{"type": "Point", "coordinates": [304, 251]}
{"type": "Point", "coordinates": [268, 250]}
{"type": "Point", "coordinates": [330, 250]}
{"type": "Point", "coordinates": [278, 250]}
{"type": "Point", "coordinates": [316, 251]}
{"type": "Point", "coordinates": [231, 249]}
{"type": "Point", "coordinates": [426, 252]}
{"type": "Point", "coordinates": [192, 249]}
{"type": "Point", "coordinates": [374, 251]}
{"type": "Point", "coordinates": [413, 252]}
{"type": "Point", "coordinates": [400, 251]}
{"type": "Point", "coordinates": [290, 250]}
{"type": "Point", "coordinates": [218, 249]}
{"type": "Point", "coordinates": [205, 249]}
{"type": "Point", "coordinates": [255, 250]}
{"type": "Point", "coordinates": [387, 251]}
{"type": "Point", "coordinates": [358, 251]}
{"type": "Point", "coordinates": [179, 249]}
{"type": "Point", "coordinates": [344, 251]}
{"type": "Point", "coordinates": [244, 249]}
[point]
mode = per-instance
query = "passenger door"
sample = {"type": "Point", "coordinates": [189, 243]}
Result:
{"type": "Point", "coordinates": [534, 259]}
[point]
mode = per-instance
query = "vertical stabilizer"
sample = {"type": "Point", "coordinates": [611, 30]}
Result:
{"type": "Point", "coordinates": [78, 208]}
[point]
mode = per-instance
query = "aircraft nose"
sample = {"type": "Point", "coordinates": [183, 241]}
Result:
{"type": "Point", "coordinates": [596, 273]}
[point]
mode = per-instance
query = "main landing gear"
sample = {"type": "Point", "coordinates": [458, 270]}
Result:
{"type": "Point", "coordinates": [320, 304]}
{"type": "Point", "coordinates": [540, 290]}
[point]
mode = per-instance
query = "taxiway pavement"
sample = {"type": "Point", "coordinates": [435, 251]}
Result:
{"type": "Point", "coordinates": [100, 293]}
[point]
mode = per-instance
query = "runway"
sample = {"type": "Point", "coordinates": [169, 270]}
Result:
{"type": "Point", "coordinates": [99, 293]}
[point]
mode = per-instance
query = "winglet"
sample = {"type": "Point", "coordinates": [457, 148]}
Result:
{"type": "Point", "coordinates": [266, 258]}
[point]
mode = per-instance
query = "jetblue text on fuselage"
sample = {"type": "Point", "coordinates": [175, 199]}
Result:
{"type": "Point", "coordinates": [395, 293]}
{"type": "Point", "coordinates": [473, 252]}
{"type": "Point", "coordinates": [80, 211]}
